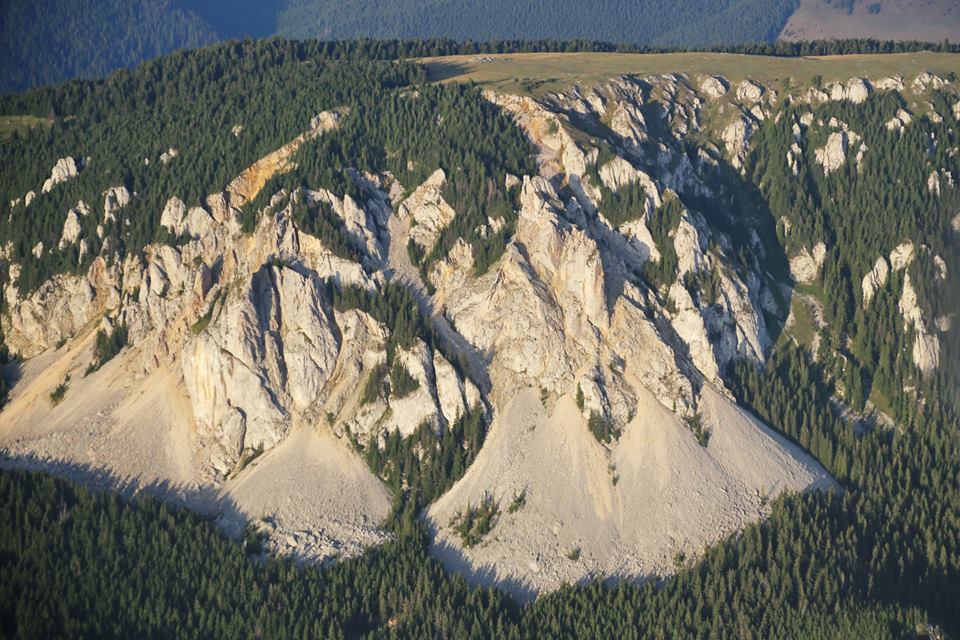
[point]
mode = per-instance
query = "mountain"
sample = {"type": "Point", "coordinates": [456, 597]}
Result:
{"type": "Point", "coordinates": [930, 20]}
{"type": "Point", "coordinates": [560, 319]}
{"type": "Point", "coordinates": [50, 41]}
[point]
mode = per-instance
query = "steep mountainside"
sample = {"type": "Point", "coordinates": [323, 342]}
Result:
{"type": "Point", "coordinates": [530, 317]}
{"type": "Point", "coordinates": [931, 20]}
{"type": "Point", "coordinates": [685, 23]}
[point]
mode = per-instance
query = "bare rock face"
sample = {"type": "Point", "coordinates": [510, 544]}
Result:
{"type": "Point", "coordinates": [899, 121]}
{"type": "Point", "coordinates": [902, 256]}
{"type": "Point", "coordinates": [834, 155]}
{"type": "Point", "coordinates": [926, 345]}
{"type": "Point", "coordinates": [927, 81]}
{"type": "Point", "coordinates": [714, 87]}
{"type": "Point", "coordinates": [736, 137]}
{"type": "Point", "coordinates": [805, 266]}
{"type": "Point", "coordinates": [874, 280]}
{"type": "Point", "coordinates": [58, 308]}
{"type": "Point", "coordinates": [749, 91]}
{"type": "Point", "coordinates": [65, 169]}
{"type": "Point", "coordinates": [114, 199]}
{"type": "Point", "coordinates": [857, 90]}
{"type": "Point", "coordinates": [418, 408]}
{"type": "Point", "coordinates": [173, 215]}
{"type": "Point", "coordinates": [71, 226]}
{"type": "Point", "coordinates": [428, 211]}
{"type": "Point", "coordinates": [268, 354]}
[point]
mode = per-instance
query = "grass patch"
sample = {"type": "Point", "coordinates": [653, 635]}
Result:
{"type": "Point", "coordinates": [537, 74]}
{"type": "Point", "coordinates": [10, 125]}
{"type": "Point", "coordinates": [574, 554]}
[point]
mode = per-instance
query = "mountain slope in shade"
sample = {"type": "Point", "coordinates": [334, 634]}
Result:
{"type": "Point", "coordinates": [926, 20]}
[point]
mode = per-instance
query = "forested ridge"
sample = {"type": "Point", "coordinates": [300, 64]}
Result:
{"type": "Point", "coordinates": [684, 23]}
{"type": "Point", "coordinates": [192, 101]}
{"type": "Point", "coordinates": [862, 212]}
{"type": "Point", "coordinates": [48, 41]}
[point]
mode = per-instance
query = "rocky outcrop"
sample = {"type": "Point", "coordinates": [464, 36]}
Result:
{"type": "Point", "coordinates": [749, 91]}
{"type": "Point", "coordinates": [427, 211]}
{"type": "Point", "coordinates": [805, 266]}
{"type": "Point", "coordinates": [856, 90]}
{"type": "Point", "coordinates": [714, 87]}
{"type": "Point", "coordinates": [899, 121]}
{"type": "Point", "coordinates": [833, 155]}
{"type": "Point", "coordinates": [58, 309]}
{"type": "Point", "coordinates": [926, 345]}
{"type": "Point", "coordinates": [267, 354]}
{"type": "Point", "coordinates": [65, 169]}
{"type": "Point", "coordinates": [926, 81]}
{"type": "Point", "coordinates": [874, 280]}
{"type": "Point", "coordinates": [736, 137]}
{"type": "Point", "coordinates": [114, 199]}
{"type": "Point", "coordinates": [71, 225]}
{"type": "Point", "coordinates": [902, 256]}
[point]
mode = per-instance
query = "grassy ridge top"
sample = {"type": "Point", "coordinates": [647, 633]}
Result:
{"type": "Point", "coordinates": [538, 73]}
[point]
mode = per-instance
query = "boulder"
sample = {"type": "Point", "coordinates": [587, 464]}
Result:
{"type": "Point", "coordinates": [749, 91]}
{"type": "Point", "coordinates": [714, 87]}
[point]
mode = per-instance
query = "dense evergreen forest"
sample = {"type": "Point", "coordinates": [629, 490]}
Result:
{"type": "Point", "coordinates": [192, 101]}
{"type": "Point", "coordinates": [878, 558]}
{"type": "Point", "coordinates": [684, 23]}
{"type": "Point", "coordinates": [861, 212]}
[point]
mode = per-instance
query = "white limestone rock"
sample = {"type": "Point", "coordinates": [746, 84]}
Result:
{"type": "Point", "coordinates": [899, 121]}
{"type": "Point", "coordinates": [428, 212]}
{"type": "Point", "coordinates": [749, 91]}
{"type": "Point", "coordinates": [65, 169]}
{"type": "Point", "coordinates": [71, 225]}
{"type": "Point", "coordinates": [173, 215]}
{"type": "Point", "coordinates": [736, 138]}
{"type": "Point", "coordinates": [834, 154]}
{"type": "Point", "coordinates": [926, 345]}
{"type": "Point", "coordinates": [927, 81]}
{"type": "Point", "coordinates": [267, 355]}
{"type": "Point", "coordinates": [805, 266]}
{"type": "Point", "coordinates": [419, 407]}
{"type": "Point", "coordinates": [714, 87]}
{"type": "Point", "coordinates": [114, 199]}
{"type": "Point", "coordinates": [874, 280]}
{"type": "Point", "coordinates": [902, 256]}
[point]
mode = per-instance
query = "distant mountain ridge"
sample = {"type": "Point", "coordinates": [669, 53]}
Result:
{"type": "Point", "coordinates": [48, 41]}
